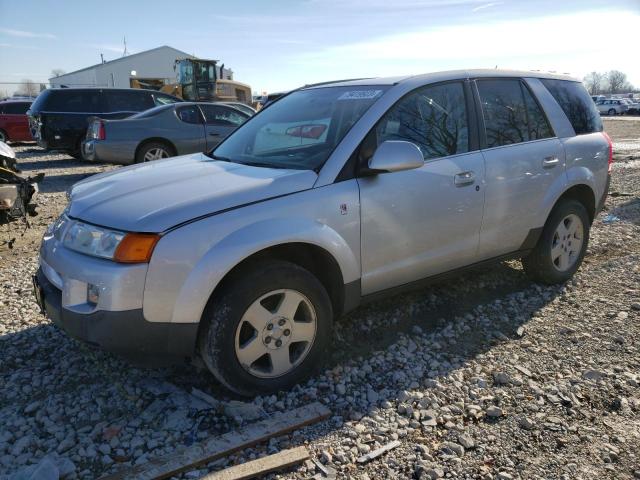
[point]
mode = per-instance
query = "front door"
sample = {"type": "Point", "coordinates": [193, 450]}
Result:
{"type": "Point", "coordinates": [523, 159]}
{"type": "Point", "coordinates": [426, 221]}
{"type": "Point", "coordinates": [220, 121]}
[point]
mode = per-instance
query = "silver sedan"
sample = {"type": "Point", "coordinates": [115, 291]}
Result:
{"type": "Point", "coordinates": [161, 132]}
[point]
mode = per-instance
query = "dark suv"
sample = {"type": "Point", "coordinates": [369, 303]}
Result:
{"type": "Point", "coordinates": [59, 117]}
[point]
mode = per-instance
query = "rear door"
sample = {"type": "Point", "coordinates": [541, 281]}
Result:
{"type": "Point", "coordinates": [220, 121]}
{"type": "Point", "coordinates": [523, 159]}
{"type": "Point", "coordinates": [422, 222]}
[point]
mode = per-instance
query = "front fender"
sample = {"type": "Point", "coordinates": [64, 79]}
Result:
{"type": "Point", "coordinates": [189, 262]}
{"type": "Point", "coordinates": [239, 245]}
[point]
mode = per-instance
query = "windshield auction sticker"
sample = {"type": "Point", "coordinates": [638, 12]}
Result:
{"type": "Point", "coordinates": [360, 95]}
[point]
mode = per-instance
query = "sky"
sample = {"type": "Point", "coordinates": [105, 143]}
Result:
{"type": "Point", "coordinates": [282, 44]}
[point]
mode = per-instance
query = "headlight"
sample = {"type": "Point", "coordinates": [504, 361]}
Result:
{"type": "Point", "coordinates": [111, 244]}
{"type": "Point", "coordinates": [90, 240]}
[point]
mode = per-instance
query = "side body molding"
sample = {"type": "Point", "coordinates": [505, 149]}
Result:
{"type": "Point", "coordinates": [190, 262]}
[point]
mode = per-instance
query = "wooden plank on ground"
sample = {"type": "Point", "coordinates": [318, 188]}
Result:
{"type": "Point", "coordinates": [376, 453]}
{"type": "Point", "coordinates": [218, 447]}
{"type": "Point", "coordinates": [261, 466]}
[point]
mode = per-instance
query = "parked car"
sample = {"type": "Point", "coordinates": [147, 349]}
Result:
{"type": "Point", "coordinates": [14, 123]}
{"type": "Point", "coordinates": [161, 132]}
{"type": "Point", "coordinates": [244, 256]}
{"type": "Point", "coordinates": [598, 98]}
{"type": "Point", "coordinates": [59, 116]}
{"type": "Point", "coordinates": [633, 107]}
{"type": "Point", "coordinates": [612, 106]}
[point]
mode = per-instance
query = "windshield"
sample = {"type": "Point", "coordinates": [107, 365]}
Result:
{"type": "Point", "coordinates": [300, 130]}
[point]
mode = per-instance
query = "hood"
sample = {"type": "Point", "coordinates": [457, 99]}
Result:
{"type": "Point", "coordinates": [155, 196]}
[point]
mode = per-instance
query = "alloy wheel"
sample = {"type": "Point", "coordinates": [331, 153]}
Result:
{"type": "Point", "coordinates": [155, 154]}
{"type": "Point", "coordinates": [275, 333]}
{"type": "Point", "coordinates": [567, 242]}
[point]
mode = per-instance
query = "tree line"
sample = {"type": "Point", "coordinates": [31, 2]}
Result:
{"type": "Point", "coordinates": [602, 83]}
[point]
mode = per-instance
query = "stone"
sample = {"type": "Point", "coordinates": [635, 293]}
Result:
{"type": "Point", "coordinates": [466, 441]}
{"type": "Point", "coordinates": [494, 412]}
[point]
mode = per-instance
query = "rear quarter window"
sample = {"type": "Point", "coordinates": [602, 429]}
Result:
{"type": "Point", "coordinates": [129, 101]}
{"type": "Point", "coordinates": [576, 104]}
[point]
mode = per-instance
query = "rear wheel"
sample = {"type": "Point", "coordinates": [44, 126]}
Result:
{"type": "Point", "coordinates": [268, 330]}
{"type": "Point", "coordinates": [154, 151]}
{"type": "Point", "coordinates": [562, 245]}
{"type": "Point", "coordinates": [612, 111]}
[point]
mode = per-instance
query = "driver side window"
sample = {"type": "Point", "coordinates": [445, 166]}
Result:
{"type": "Point", "coordinates": [433, 117]}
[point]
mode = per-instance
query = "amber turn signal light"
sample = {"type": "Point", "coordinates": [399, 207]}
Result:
{"type": "Point", "coordinates": [136, 248]}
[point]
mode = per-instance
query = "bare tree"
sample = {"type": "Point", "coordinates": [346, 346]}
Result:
{"type": "Point", "coordinates": [28, 88]}
{"type": "Point", "coordinates": [594, 82]}
{"type": "Point", "coordinates": [56, 72]}
{"type": "Point", "coordinates": [4, 93]}
{"type": "Point", "coordinates": [618, 82]}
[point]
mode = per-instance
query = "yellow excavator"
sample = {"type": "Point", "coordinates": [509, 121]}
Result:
{"type": "Point", "coordinates": [197, 80]}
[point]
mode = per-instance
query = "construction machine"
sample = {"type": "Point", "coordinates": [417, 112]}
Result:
{"type": "Point", "coordinates": [199, 79]}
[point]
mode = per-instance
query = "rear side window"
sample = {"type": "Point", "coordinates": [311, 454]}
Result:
{"type": "Point", "coordinates": [432, 117]}
{"type": "Point", "coordinates": [576, 104]}
{"type": "Point", "coordinates": [224, 116]}
{"type": "Point", "coordinates": [129, 101]}
{"type": "Point", "coordinates": [15, 108]}
{"type": "Point", "coordinates": [76, 101]}
{"type": "Point", "coordinates": [189, 114]}
{"type": "Point", "coordinates": [511, 115]}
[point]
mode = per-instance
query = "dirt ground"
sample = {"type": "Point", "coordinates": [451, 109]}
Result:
{"type": "Point", "coordinates": [488, 376]}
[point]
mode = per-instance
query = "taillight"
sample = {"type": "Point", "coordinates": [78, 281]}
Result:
{"type": "Point", "coordinates": [101, 133]}
{"type": "Point", "coordinates": [608, 138]}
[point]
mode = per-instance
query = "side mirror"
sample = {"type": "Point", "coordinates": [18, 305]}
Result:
{"type": "Point", "coordinates": [396, 156]}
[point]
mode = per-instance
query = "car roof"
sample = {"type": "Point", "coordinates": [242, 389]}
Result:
{"type": "Point", "coordinates": [108, 89]}
{"type": "Point", "coordinates": [444, 76]}
{"type": "Point", "coordinates": [16, 100]}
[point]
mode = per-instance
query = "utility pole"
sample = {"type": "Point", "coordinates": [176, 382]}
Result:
{"type": "Point", "coordinates": [126, 52]}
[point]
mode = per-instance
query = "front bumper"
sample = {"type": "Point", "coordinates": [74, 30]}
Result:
{"type": "Point", "coordinates": [123, 332]}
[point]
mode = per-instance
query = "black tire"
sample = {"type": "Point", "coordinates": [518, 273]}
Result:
{"type": "Point", "coordinates": [538, 265]}
{"type": "Point", "coordinates": [3, 136]}
{"type": "Point", "coordinates": [154, 145]}
{"type": "Point", "coordinates": [224, 313]}
{"type": "Point", "coordinates": [612, 111]}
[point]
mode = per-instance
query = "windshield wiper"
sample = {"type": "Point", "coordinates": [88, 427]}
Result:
{"type": "Point", "coordinates": [262, 164]}
{"type": "Point", "coordinates": [218, 157]}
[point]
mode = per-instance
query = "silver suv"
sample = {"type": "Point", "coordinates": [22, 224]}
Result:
{"type": "Point", "coordinates": [333, 195]}
{"type": "Point", "coordinates": [612, 106]}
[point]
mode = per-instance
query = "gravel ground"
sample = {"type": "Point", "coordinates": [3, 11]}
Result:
{"type": "Point", "coordinates": [488, 376]}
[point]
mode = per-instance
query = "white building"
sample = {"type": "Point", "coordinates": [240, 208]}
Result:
{"type": "Point", "coordinates": [155, 64]}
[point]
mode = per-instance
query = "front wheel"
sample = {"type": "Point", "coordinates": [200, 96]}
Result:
{"type": "Point", "coordinates": [268, 330]}
{"type": "Point", "coordinates": [561, 246]}
{"type": "Point", "coordinates": [611, 111]}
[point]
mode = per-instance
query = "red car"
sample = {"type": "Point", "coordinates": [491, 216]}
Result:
{"type": "Point", "coordinates": [14, 123]}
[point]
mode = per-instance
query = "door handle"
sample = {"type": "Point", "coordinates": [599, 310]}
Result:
{"type": "Point", "coordinates": [464, 178]}
{"type": "Point", "coordinates": [550, 162]}
{"type": "Point", "coordinates": [212, 134]}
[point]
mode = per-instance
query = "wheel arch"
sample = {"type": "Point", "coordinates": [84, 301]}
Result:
{"type": "Point", "coordinates": [317, 260]}
{"type": "Point", "coordinates": [584, 194]}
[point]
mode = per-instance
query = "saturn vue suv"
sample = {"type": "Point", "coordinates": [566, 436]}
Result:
{"type": "Point", "coordinates": [334, 195]}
